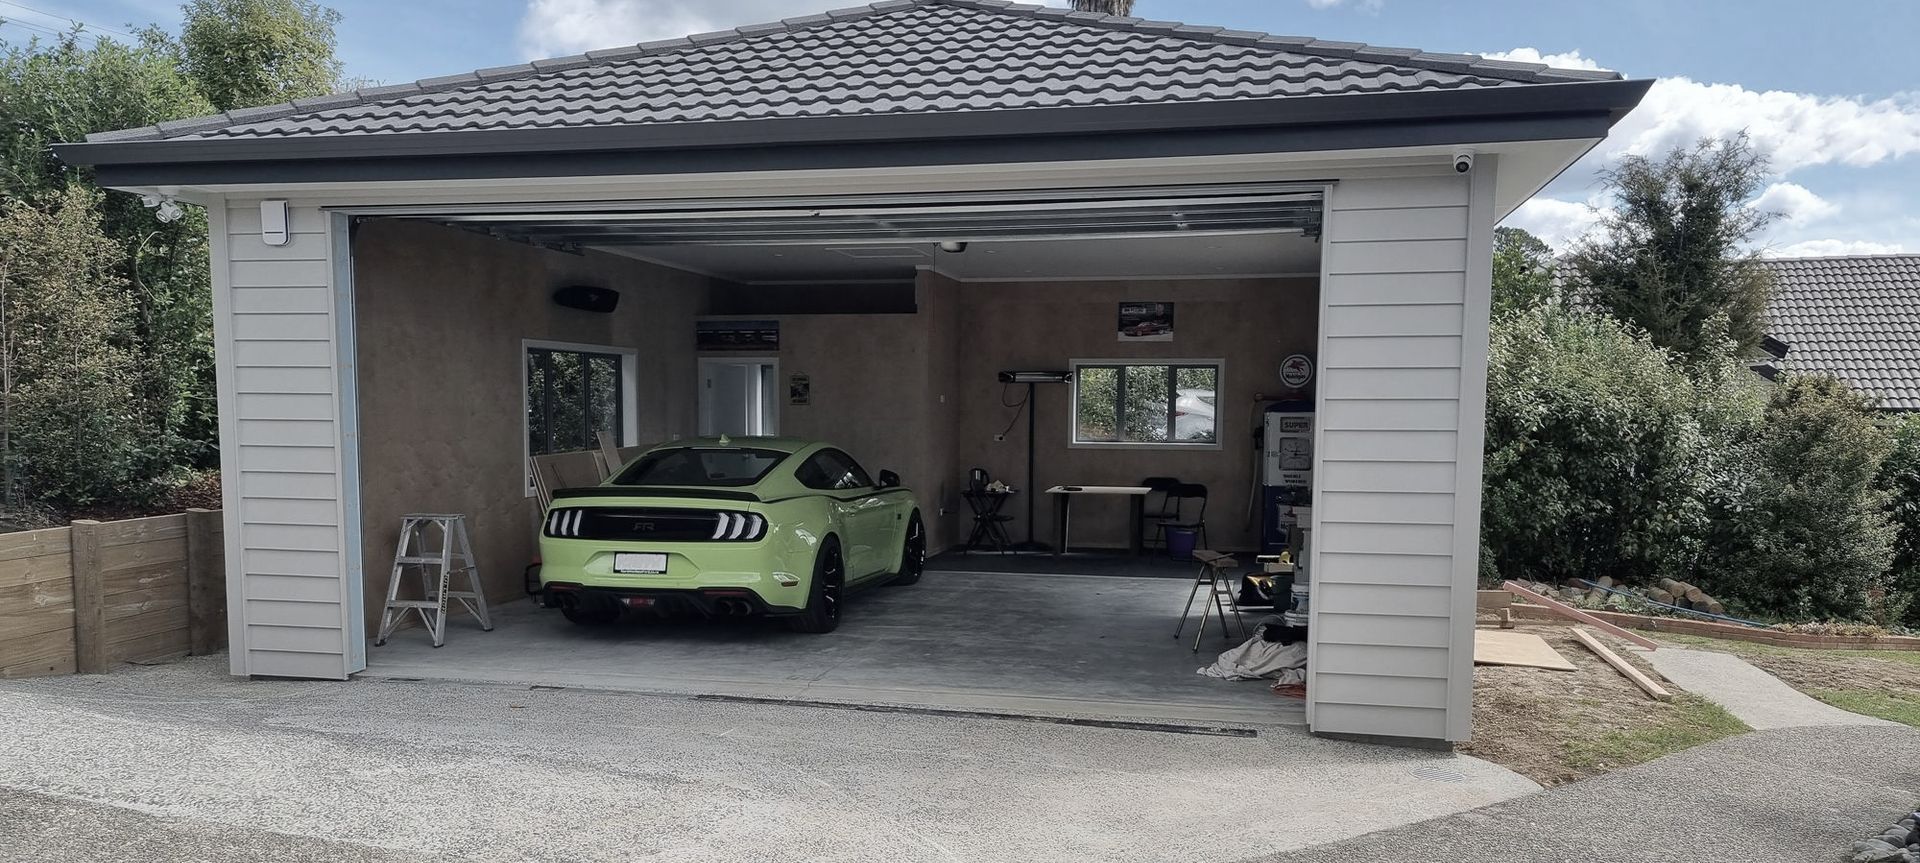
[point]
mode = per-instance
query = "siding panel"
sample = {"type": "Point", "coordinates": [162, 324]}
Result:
{"type": "Point", "coordinates": [1396, 329]}
{"type": "Point", "coordinates": [275, 321]}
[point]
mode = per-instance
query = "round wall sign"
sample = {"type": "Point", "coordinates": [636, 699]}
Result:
{"type": "Point", "coordinates": [1296, 371]}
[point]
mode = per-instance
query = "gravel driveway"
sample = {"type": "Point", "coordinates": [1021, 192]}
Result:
{"type": "Point", "coordinates": [219, 769]}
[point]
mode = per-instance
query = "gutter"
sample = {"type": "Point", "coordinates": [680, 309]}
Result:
{"type": "Point", "coordinates": [1608, 99]}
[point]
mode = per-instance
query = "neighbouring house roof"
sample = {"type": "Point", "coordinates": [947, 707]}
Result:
{"type": "Point", "coordinates": [1856, 318]}
{"type": "Point", "coordinates": [908, 70]}
{"type": "Point", "coordinates": [905, 56]}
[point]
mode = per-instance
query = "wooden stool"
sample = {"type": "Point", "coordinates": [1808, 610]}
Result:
{"type": "Point", "coordinates": [1218, 572]}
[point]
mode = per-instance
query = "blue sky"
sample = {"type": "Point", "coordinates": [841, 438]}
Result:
{"type": "Point", "coordinates": [1829, 90]}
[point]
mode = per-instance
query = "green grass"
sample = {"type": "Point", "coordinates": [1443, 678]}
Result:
{"type": "Point", "coordinates": [1693, 721]}
{"type": "Point", "coordinates": [1905, 711]}
{"type": "Point", "coordinates": [1910, 657]}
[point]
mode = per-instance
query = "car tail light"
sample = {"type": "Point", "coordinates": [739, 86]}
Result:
{"type": "Point", "coordinates": [739, 526]}
{"type": "Point", "coordinates": [565, 522]}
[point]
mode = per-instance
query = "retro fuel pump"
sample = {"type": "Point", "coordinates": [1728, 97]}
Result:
{"type": "Point", "coordinates": [1286, 458]}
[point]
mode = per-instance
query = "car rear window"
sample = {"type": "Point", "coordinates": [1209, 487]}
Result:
{"type": "Point", "coordinates": [726, 466]}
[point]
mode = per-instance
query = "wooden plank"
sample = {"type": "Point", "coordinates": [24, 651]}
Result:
{"type": "Point", "coordinates": [1626, 669]}
{"type": "Point", "coordinates": [163, 617]}
{"type": "Point", "coordinates": [1565, 610]}
{"type": "Point", "coordinates": [89, 613]}
{"type": "Point", "coordinates": [33, 543]}
{"type": "Point", "coordinates": [206, 583]}
{"type": "Point", "coordinates": [609, 454]}
{"type": "Point", "coordinates": [35, 609]}
{"type": "Point", "coordinates": [37, 655]}
{"type": "Point", "coordinates": [1486, 599]}
{"type": "Point", "coordinates": [143, 556]}
{"type": "Point", "coordinates": [121, 608]}
{"type": "Point", "coordinates": [147, 648]}
{"type": "Point", "coordinates": [33, 570]}
{"type": "Point", "coordinates": [1494, 647]}
{"type": "Point", "coordinates": [135, 531]}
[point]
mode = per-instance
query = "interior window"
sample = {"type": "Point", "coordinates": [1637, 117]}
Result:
{"type": "Point", "coordinates": [571, 397]}
{"type": "Point", "coordinates": [1145, 403]}
{"type": "Point", "coordinates": [832, 470]}
{"type": "Point", "coordinates": [701, 466]}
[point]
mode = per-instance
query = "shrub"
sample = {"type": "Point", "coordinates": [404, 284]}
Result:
{"type": "Point", "coordinates": [1900, 480]}
{"type": "Point", "coordinates": [1799, 529]}
{"type": "Point", "coordinates": [1601, 449]}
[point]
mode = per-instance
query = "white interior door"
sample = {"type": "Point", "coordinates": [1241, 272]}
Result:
{"type": "Point", "coordinates": [738, 397]}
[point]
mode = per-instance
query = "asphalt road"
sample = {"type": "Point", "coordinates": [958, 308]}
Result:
{"type": "Point", "coordinates": [1794, 795]}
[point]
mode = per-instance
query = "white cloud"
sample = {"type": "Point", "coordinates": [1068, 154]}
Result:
{"type": "Point", "coordinates": [552, 28]}
{"type": "Point", "coordinates": [1829, 248]}
{"type": "Point", "coordinates": [1566, 60]}
{"type": "Point", "coordinates": [1795, 130]}
{"type": "Point", "coordinates": [1557, 222]}
{"type": "Point", "coordinates": [1795, 203]}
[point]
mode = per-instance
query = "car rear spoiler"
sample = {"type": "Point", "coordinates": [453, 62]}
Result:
{"type": "Point", "coordinates": [648, 491]}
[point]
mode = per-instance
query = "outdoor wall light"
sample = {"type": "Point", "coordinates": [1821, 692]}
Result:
{"type": "Point", "coordinates": [164, 207]}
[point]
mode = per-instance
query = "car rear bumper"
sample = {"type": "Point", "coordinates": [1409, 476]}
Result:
{"type": "Point", "coordinates": [711, 601]}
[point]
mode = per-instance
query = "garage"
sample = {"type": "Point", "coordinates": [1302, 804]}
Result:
{"type": "Point", "coordinates": [805, 230]}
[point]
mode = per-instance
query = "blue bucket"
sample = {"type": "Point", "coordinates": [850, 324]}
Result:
{"type": "Point", "coordinates": [1180, 542]}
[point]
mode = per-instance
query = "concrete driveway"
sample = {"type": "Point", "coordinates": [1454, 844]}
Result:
{"type": "Point", "coordinates": [366, 770]}
{"type": "Point", "coordinates": [1084, 644]}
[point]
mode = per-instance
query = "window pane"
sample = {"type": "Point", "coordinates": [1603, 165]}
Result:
{"type": "Point", "coordinates": [567, 403]}
{"type": "Point", "coordinates": [1096, 392]}
{"type": "Point", "coordinates": [1146, 406]}
{"type": "Point", "coordinates": [1193, 409]}
{"type": "Point", "coordinates": [536, 406]}
{"type": "Point", "coordinates": [605, 399]}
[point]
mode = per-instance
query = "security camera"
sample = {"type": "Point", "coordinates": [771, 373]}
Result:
{"type": "Point", "coordinates": [1462, 162]}
{"type": "Point", "coordinates": [954, 246]}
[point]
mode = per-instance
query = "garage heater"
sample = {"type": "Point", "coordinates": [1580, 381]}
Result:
{"type": "Point", "coordinates": [1032, 379]}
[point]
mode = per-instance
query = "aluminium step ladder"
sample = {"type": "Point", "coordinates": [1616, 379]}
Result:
{"type": "Point", "coordinates": [436, 568]}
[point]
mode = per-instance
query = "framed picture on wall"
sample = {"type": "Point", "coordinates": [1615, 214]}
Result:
{"type": "Point", "coordinates": [1146, 322]}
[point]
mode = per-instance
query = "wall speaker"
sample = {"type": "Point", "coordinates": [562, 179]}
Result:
{"type": "Point", "coordinates": [587, 299]}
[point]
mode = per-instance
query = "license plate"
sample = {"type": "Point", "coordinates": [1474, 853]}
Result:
{"type": "Point", "coordinates": [641, 562]}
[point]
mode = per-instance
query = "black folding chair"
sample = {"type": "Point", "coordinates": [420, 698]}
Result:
{"type": "Point", "coordinates": [1157, 504]}
{"type": "Point", "coordinates": [1185, 498]}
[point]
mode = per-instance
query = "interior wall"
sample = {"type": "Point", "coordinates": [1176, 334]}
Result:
{"type": "Point", "coordinates": [440, 315]}
{"type": "Point", "coordinates": [1251, 324]}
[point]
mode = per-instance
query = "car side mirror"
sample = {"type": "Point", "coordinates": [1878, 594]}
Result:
{"type": "Point", "coordinates": [889, 479]}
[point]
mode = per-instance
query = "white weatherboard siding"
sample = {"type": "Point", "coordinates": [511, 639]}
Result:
{"type": "Point", "coordinates": [291, 609]}
{"type": "Point", "coordinates": [1402, 400]}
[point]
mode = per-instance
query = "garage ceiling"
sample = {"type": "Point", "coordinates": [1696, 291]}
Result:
{"type": "Point", "coordinates": [1088, 233]}
{"type": "Point", "coordinates": [1141, 257]}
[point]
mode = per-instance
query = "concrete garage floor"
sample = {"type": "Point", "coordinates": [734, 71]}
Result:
{"type": "Point", "coordinates": [182, 762]}
{"type": "Point", "coordinates": [1097, 646]}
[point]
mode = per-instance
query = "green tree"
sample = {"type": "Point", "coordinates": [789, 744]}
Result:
{"type": "Point", "coordinates": [1522, 271]}
{"type": "Point", "coordinates": [244, 53]}
{"type": "Point", "coordinates": [1671, 257]}
{"type": "Point", "coordinates": [64, 90]}
{"type": "Point", "coordinates": [1104, 7]}
{"type": "Point", "coordinates": [68, 436]}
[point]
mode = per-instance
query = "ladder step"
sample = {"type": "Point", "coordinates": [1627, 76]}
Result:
{"type": "Point", "coordinates": [433, 560]}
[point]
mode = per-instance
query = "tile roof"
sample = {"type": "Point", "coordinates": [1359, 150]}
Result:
{"type": "Point", "coordinates": [895, 57]}
{"type": "Point", "coordinates": [1856, 318]}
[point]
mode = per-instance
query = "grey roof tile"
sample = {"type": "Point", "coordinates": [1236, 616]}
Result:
{"type": "Point", "coordinates": [894, 57]}
{"type": "Point", "coordinates": [1856, 318]}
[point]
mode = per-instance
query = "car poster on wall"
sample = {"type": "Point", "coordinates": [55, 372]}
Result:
{"type": "Point", "coordinates": [1146, 322]}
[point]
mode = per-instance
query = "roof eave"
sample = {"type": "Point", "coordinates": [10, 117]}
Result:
{"type": "Point", "coordinates": [1613, 99]}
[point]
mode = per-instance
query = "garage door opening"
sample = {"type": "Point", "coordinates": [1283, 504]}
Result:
{"type": "Point", "coordinates": [881, 327]}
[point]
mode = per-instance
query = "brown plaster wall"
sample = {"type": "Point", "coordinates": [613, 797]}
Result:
{"type": "Point", "coordinates": [1250, 323]}
{"type": "Point", "coordinates": [439, 316]}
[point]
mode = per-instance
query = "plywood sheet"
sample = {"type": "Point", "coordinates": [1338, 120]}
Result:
{"type": "Point", "coordinates": [1493, 647]}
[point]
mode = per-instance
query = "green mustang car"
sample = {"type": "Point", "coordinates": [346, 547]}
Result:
{"type": "Point", "coordinates": [730, 527]}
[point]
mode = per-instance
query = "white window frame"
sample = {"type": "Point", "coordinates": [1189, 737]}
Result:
{"type": "Point", "coordinates": [629, 395]}
{"type": "Point", "coordinates": [1073, 412]}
